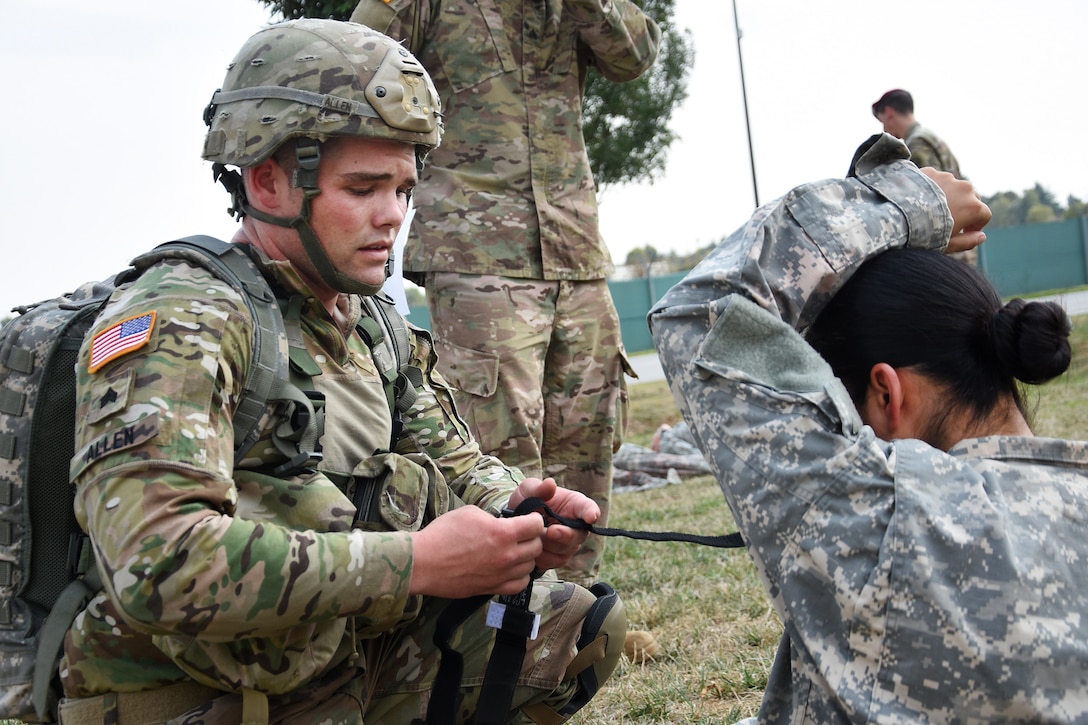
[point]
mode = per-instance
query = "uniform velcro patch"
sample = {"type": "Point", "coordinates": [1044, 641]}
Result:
{"type": "Point", "coordinates": [120, 339]}
{"type": "Point", "coordinates": [114, 440]}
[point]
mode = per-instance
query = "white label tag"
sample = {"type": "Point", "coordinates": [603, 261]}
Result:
{"type": "Point", "coordinates": [496, 613]}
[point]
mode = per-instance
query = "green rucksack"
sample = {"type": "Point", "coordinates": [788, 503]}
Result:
{"type": "Point", "coordinates": [47, 572]}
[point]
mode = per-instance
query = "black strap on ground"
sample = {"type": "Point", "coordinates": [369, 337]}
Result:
{"type": "Point", "coordinates": [725, 541]}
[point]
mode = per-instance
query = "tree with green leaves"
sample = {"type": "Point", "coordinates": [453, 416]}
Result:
{"type": "Point", "coordinates": [1075, 208]}
{"type": "Point", "coordinates": [640, 259]}
{"type": "Point", "coordinates": [294, 9]}
{"type": "Point", "coordinates": [1036, 205]}
{"type": "Point", "coordinates": [626, 125]}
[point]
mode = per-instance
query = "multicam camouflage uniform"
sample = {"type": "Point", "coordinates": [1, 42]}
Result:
{"type": "Point", "coordinates": [915, 585]}
{"type": "Point", "coordinates": [237, 578]}
{"type": "Point", "coordinates": [505, 237]}
{"type": "Point", "coordinates": [926, 149]}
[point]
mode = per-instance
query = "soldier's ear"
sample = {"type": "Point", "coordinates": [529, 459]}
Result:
{"type": "Point", "coordinates": [268, 186]}
{"type": "Point", "coordinates": [884, 402]}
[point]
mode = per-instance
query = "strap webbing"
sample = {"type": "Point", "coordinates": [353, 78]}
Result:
{"type": "Point", "coordinates": [254, 707]}
{"type": "Point", "coordinates": [503, 667]}
{"type": "Point", "coordinates": [71, 602]}
{"type": "Point", "coordinates": [451, 668]}
{"type": "Point", "coordinates": [229, 262]}
{"type": "Point", "coordinates": [392, 356]}
{"type": "Point", "coordinates": [507, 658]}
{"type": "Point", "coordinates": [725, 541]}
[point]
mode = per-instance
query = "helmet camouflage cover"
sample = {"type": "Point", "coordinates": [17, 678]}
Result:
{"type": "Point", "coordinates": [319, 79]}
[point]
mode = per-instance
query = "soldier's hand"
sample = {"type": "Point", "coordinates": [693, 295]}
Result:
{"type": "Point", "coordinates": [468, 551]}
{"type": "Point", "coordinates": [560, 542]}
{"type": "Point", "coordinates": [969, 213]}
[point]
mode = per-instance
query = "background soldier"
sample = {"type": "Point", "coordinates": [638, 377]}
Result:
{"type": "Point", "coordinates": [895, 111]}
{"type": "Point", "coordinates": [505, 235]}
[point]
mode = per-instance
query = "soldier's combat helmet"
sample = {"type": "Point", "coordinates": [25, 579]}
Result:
{"type": "Point", "coordinates": [306, 81]}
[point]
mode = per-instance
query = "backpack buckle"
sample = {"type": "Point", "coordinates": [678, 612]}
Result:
{"type": "Point", "coordinates": [297, 463]}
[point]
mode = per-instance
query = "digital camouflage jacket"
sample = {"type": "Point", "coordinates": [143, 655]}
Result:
{"type": "Point", "coordinates": [915, 585]}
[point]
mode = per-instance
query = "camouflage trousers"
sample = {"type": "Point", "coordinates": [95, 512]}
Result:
{"type": "Point", "coordinates": [538, 367]}
{"type": "Point", "coordinates": [390, 679]}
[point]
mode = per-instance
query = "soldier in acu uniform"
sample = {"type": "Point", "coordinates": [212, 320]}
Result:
{"type": "Point", "coordinates": [232, 587]}
{"type": "Point", "coordinates": [505, 236]}
{"type": "Point", "coordinates": [856, 393]}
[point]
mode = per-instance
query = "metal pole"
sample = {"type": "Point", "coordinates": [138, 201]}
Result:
{"type": "Point", "coordinates": [650, 276]}
{"type": "Point", "coordinates": [744, 96]}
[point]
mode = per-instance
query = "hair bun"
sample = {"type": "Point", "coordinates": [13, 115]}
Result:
{"type": "Point", "coordinates": [1031, 340]}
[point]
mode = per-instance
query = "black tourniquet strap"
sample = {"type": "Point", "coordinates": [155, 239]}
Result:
{"type": "Point", "coordinates": [510, 615]}
{"type": "Point", "coordinates": [726, 541]}
{"type": "Point", "coordinates": [451, 666]}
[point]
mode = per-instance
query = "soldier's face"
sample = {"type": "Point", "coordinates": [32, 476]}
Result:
{"type": "Point", "coordinates": [892, 122]}
{"type": "Point", "coordinates": [365, 185]}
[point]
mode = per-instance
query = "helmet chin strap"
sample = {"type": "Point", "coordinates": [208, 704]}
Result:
{"type": "Point", "coordinates": [308, 152]}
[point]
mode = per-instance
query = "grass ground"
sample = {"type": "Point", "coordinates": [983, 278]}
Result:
{"type": "Point", "coordinates": [704, 606]}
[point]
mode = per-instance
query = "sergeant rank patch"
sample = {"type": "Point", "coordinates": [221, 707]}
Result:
{"type": "Point", "coordinates": [119, 339]}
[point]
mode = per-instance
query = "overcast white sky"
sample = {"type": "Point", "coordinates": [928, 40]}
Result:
{"type": "Point", "coordinates": [103, 100]}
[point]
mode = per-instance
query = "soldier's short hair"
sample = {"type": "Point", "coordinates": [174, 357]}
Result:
{"type": "Point", "coordinates": [897, 99]}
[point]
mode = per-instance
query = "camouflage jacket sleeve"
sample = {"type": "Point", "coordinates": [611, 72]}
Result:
{"type": "Point", "coordinates": [157, 490]}
{"type": "Point", "coordinates": [770, 279]}
{"type": "Point", "coordinates": [402, 20]}
{"type": "Point", "coordinates": [433, 427]}
{"type": "Point", "coordinates": [794, 253]}
{"type": "Point", "coordinates": [624, 42]}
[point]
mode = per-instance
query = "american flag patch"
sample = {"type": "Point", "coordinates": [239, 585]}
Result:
{"type": "Point", "coordinates": [116, 340]}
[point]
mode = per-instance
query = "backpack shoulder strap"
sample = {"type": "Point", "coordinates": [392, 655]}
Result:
{"type": "Point", "coordinates": [268, 378]}
{"type": "Point", "coordinates": [386, 332]}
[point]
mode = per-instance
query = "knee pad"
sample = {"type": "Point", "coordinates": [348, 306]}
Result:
{"type": "Point", "coordinates": [599, 646]}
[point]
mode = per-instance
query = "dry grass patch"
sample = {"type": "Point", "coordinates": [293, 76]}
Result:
{"type": "Point", "coordinates": [704, 606]}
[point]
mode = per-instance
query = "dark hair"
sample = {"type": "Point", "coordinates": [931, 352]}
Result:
{"type": "Point", "coordinates": [919, 308]}
{"type": "Point", "coordinates": [898, 99]}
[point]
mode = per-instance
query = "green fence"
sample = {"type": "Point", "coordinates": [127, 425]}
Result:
{"type": "Point", "coordinates": [1018, 260]}
{"type": "Point", "coordinates": [1036, 257]}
